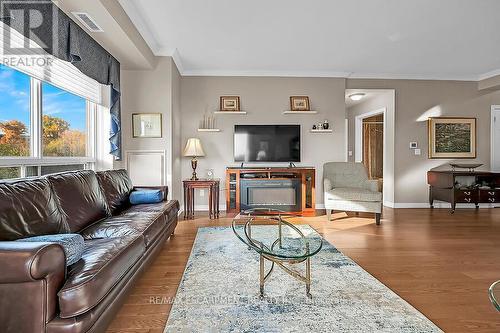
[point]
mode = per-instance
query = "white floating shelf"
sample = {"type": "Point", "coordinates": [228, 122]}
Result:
{"type": "Point", "coordinates": [300, 112]}
{"type": "Point", "coordinates": [230, 112]}
{"type": "Point", "coordinates": [322, 131]}
{"type": "Point", "coordinates": [208, 129]}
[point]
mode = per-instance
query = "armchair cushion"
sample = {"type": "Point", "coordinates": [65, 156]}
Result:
{"type": "Point", "coordinates": [353, 194]}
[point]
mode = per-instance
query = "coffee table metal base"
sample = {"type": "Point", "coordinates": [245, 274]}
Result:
{"type": "Point", "coordinates": [281, 263]}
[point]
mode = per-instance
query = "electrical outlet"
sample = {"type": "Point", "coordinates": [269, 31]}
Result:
{"type": "Point", "coordinates": [418, 152]}
{"type": "Point", "coordinates": [350, 153]}
{"type": "Point", "coordinates": [202, 193]}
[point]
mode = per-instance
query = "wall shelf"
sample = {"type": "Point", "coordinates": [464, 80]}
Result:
{"type": "Point", "coordinates": [321, 131]}
{"type": "Point", "coordinates": [208, 129]}
{"type": "Point", "coordinates": [300, 112]}
{"type": "Point", "coordinates": [230, 112]}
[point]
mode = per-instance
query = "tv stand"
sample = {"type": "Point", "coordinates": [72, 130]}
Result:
{"type": "Point", "coordinates": [291, 189]}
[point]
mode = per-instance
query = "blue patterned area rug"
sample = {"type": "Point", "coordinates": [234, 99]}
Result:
{"type": "Point", "coordinates": [219, 292]}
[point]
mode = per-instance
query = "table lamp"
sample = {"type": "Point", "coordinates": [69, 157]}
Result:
{"type": "Point", "coordinates": [194, 149]}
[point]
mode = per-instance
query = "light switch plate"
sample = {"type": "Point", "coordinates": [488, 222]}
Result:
{"type": "Point", "coordinates": [350, 153]}
{"type": "Point", "coordinates": [418, 152]}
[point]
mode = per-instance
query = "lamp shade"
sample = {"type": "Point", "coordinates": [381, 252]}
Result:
{"type": "Point", "coordinates": [193, 148]}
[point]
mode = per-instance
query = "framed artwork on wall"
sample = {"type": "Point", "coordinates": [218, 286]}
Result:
{"type": "Point", "coordinates": [230, 103]}
{"type": "Point", "coordinates": [299, 103]}
{"type": "Point", "coordinates": [147, 125]}
{"type": "Point", "coordinates": [452, 137]}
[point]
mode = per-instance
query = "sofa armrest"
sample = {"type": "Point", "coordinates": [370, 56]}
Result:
{"type": "Point", "coordinates": [164, 189]}
{"type": "Point", "coordinates": [327, 184]}
{"type": "Point", "coordinates": [30, 261]}
{"type": "Point", "coordinates": [372, 185]}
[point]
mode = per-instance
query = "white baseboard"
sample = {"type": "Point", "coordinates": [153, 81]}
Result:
{"type": "Point", "coordinates": [438, 205]}
{"type": "Point", "coordinates": [397, 205]}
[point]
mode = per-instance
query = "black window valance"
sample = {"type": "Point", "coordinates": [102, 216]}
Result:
{"type": "Point", "coordinates": [46, 24]}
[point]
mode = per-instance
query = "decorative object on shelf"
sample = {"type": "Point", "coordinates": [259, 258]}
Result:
{"type": "Point", "coordinates": [320, 126]}
{"type": "Point", "coordinates": [194, 149]}
{"type": "Point", "coordinates": [229, 103]}
{"type": "Point", "coordinates": [314, 127]}
{"type": "Point", "coordinates": [326, 125]}
{"type": "Point", "coordinates": [299, 103]}
{"type": "Point", "coordinates": [147, 125]}
{"type": "Point", "coordinates": [470, 167]}
{"type": "Point", "coordinates": [208, 122]}
{"type": "Point", "coordinates": [452, 137]}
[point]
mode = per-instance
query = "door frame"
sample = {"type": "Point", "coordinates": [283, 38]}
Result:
{"type": "Point", "coordinates": [358, 134]}
{"type": "Point", "coordinates": [494, 109]}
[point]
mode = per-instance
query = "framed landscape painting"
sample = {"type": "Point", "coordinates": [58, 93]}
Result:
{"type": "Point", "coordinates": [452, 137]}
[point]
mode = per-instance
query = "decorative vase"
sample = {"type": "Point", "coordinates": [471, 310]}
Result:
{"type": "Point", "coordinates": [326, 125]}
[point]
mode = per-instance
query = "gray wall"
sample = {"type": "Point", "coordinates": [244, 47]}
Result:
{"type": "Point", "coordinates": [154, 91]}
{"type": "Point", "coordinates": [416, 100]}
{"type": "Point", "coordinates": [184, 100]}
{"type": "Point", "coordinates": [265, 99]}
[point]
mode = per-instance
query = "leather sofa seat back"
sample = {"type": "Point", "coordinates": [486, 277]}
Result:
{"type": "Point", "coordinates": [29, 208]}
{"type": "Point", "coordinates": [116, 186]}
{"type": "Point", "coordinates": [80, 198]}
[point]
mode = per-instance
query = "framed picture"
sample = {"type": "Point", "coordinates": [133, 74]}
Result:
{"type": "Point", "coordinates": [299, 103]}
{"type": "Point", "coordinates": [230, 103]}
{"type": "Point", "coordinates": [147, 125]}
{"type": "Point", "coordinates": [452, 137]}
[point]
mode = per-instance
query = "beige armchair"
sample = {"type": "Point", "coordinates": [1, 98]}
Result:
{"type": "Point", "coordinates": [347, 188]}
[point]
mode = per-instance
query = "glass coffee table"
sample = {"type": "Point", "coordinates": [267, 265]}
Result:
{"type": "Point", "coordinates": [283, 245]}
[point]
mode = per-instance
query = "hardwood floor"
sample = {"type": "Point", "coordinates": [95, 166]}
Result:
{"type": "Point", "coordinates": [442, 264]}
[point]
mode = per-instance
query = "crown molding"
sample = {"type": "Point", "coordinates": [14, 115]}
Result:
{"type": "Point", "coordinates": [488, 75]}
{"type": "Point", "coordinates": [252, 73]}
{"type": "Point", "coordinates": [133, 12]}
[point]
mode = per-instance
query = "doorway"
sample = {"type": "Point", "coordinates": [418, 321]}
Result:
{"type": "Point", "coordinates": [495, 138]}
{"type": "Point", "coordinates": [370, 138]}
{"type": "Point", "coordinates": [373, 146]}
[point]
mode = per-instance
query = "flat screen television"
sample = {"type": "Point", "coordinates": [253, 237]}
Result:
{"type": "Point", "coordinates": [267, 143]}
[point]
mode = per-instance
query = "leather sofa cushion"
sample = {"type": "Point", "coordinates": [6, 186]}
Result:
{"type": "Point", "coordinates": [80, 198]}
{"type": "Point", "coordinates": [117, 186]}
{"type": "Point", "coordinates": [148, 224]}
{"type": "Point", "coordinates": [353, 194]}
{"type": "Point", "coordinates": [169, 208]}
{"type": "Point", "coordinates": [29, 208]}
{"type": "Point", "coordinates": [103, 264]}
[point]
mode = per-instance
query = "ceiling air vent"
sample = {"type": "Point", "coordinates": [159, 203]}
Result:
{"type": "Point", "coordinates": [88, 21]}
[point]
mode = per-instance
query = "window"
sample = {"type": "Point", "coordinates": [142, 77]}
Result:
{"type": "Point", "coordinates": [43, 128]}
{"type": "Point", "coordinates": [15, 112]}
{"type": "Point", "coordinates": [64, 123]}
{"type": "Point", "coordinates": [10, 172]}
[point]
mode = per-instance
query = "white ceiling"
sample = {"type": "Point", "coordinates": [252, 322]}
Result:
{"type": "Point", "coordinates": [421, 39]}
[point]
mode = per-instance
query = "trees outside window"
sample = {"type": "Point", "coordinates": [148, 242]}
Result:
{"type": "Point", "coordinates": [14, 112]}
{"type": "Point", "coordinates": [63, 123]}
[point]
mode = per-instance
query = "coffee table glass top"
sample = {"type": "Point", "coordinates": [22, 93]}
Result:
{"type": "Point", "coordinates": [283, 241]}
{"type": "Point", "coordinates": [494, 293]}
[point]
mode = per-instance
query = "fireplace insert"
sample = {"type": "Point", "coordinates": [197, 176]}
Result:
{"type": "Point", "coordinates": [282, 194]}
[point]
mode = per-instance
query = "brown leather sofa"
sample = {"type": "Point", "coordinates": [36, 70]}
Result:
{"type": "Point", "coordinates": [38, 293]}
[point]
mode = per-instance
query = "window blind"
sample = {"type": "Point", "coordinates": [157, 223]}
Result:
{"type": "Point", "coordinates": [43, 66]}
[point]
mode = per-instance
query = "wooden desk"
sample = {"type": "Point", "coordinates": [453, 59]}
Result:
{"type": "Point", "coordinates": [213, 196]}
{"type": "Point", "coordinates": [444, 187]}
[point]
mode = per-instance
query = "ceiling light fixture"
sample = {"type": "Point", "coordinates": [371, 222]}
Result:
{"type": "Point", "coordinates": [357, 96]}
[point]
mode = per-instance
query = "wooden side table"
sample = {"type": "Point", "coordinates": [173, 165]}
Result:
{"type": "Point", "coordinates": [213, 196]}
